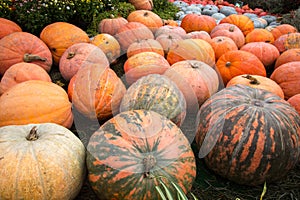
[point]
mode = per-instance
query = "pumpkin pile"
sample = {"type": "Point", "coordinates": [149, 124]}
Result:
{"type": "Point", "coordinates": [224, 82]}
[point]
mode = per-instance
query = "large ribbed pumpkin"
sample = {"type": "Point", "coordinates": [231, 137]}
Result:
{"type": "Point", "coordinates": [128, 153]}
{"type": "Point", "coordinates": [282, 29]}
{"type": "Point", "coordinates": [23, 47]}
{"type": "Point", "coordinates": [40, 161]}
{"type": "Point", "coordinates": [58, 36]}
{"type": "Point", "coordinates": [35, 101]}
{"type": "Point", "coordinates": [8, 27]}
{"type": "Point", "coordinates": [289, 55]}
{"type": "Point", "coordinates": [111, 25]}
{"type": "Point", "coordinates": [146, 17]}
{"type": "Point", "coordinates": [157, 93]}
{"type": "Point", "coordinates": [248, 135]}
{"type": "Point", "coordinates": [195, 22]}
{"type": "Point", "coordinates": [245, 24]}
{"type": "Point", "coordinates": [142, 4]}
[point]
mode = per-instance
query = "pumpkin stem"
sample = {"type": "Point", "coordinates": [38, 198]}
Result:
{"type": "Point", "coordinates": [148, 162]}
{"type": "Point", "coordinates": [228, 64]}
{"type": "Point", "coordinates": [253, 80]}
{"type": "Point", "coordinates": [32, 136]}
{"type": "Point", "coordinates": [231, 28]}
{"type": "Point", "coordinates": [146, 14]}
{"type": "Point", "coordinates": [70, 55]}
{"type": "Point", "coordinates": [31, 57]}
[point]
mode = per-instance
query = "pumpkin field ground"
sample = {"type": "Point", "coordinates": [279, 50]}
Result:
{"type": "Point", "coordinates": [208, 185]}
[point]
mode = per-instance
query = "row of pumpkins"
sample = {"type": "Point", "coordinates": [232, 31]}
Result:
{"type": "Point", "coordinates": [227, 86]}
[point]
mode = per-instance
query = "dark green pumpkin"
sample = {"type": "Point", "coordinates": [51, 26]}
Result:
{"type": "Point", "coordinates": [128, 153]}
{"type": "Point", "coordinates": [248, 135]}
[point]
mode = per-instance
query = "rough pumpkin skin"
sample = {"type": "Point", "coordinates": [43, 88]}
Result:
{"type": "Point", "coordinates": [248, 135]}
{"type": "Point", "coordinates": [127, 154]}
{"type": "Point", "coordinates": [49, 165]}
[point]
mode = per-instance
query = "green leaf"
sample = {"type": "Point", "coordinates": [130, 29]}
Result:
{"type": "Point", "coordinates": [264, 191]}
{"type": "Point", "coordinates": [158, 189]}
{"type": "Point", "coordinates": [169, 195]}
{"type": "Point", "coordinates": [194, 197]}
{"type": "Point", "coordinates": [180, 191]}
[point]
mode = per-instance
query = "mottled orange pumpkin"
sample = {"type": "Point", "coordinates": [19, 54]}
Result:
{"type": "Point", "coordinates": [145, 45]}
{"type": "Point", "coordinates": [79, 55]}
{"type": "Point", "coordinates": [243, 22]}
{"type": "Point", "coordinates": [21, 72]}
{"type": "Point", "coordinates": [238, 62]}
{"type": "Point", "coordinates": [231, 31]}
{"type": "Point", "coordinates": [282, 29]}
{"type": "Point", "coordinates": [195, 22]}
{"type": "Point", "coordinates": [222, 44]}
{"type": "Point", "coordinates": [146, 17]}
{"type": "Point", "coordinates": [259, 35]}
{"type": "Point", "coordinates": [8, 27]}
{"type": "Point", "coordinates": [58, 36]}
{"type": "Point", "coordinates": [24, 47]}
{"type": "Point", "coordinates": [192, 49]}
{"type": "Point", "coordinates": [289, 55]}
{"type": "Point", "coordinates": [111, 25]}
{"type": "Point", "coordinates": [109, 45]}
{"type": "Point", "coordinates": [266, 52]}
{"type": "Point", "coordinates": [35, 101]}
{"type": "Point", "coordinates": [97, 92]}
{"type": "Point", "coordinates": [287, 76]}
{"type": "Point", "coordinates": [287, 41]}
{"type": "Point", "coordinates": [257, 81]}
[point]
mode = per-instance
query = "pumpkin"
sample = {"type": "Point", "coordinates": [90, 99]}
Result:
{"type": "Point", "coordinates": [170, 29]}
{"type": "Point", "coordinates": [256, 81]}
{"type": "Point", "coordinates": [21, 72]}
{"type": "Point", "coordinates": [170, 22]}
{"type": "Point", "coordinates": [97, 92]}
{"type": "Point", "coordinates": [35, 101]}
{"type": "Point", "coordinates": [244, 132]}
{"type": "Point", "coordinates": [287, 76]}
{"type": "Point", "coordinates": [243, 22]}
{"type": "Point", "coordinates": [144, 63]}
{"type": "Point", "coordinates": [128, 153]}
{"type": "Point", "coordinates": [238, 62]}
{"type": "Point", "coordinates": [266, 52]}
{"type": "Point", "coordinates": [194, 22]}
{"type": "Point", "coordinates": [109, 45]}
{"type": "Point", "coordinates": [287, 41]}
{"type": "Point", "coordinates": [145, 45]}
{"type": "Point", "coordinates": [111, 25]}
{"type": "Point", "coordinates": [289, 55]}
{"type": "Point", "coordinates": [44, 161]}
{"type": "Point", "coordinates": [58, 36]}
{"type": "Point", "coordinates": [259, 35]}
{"type": "Point", "coordinates": [131, 32]}
{"type": "Point", "coordinates": [231, 31]}
{"type": "Point", "coordinates": [282, 29]}
{"type": "Point", "coordinates": [294, 101]}
{"type": "Point", "coordinates": [168, 41]}
{"type": "Point", "coordinates": [199, 35]}
{"type": "Point", "coordinates": [192, 49]}
{"type": "Point", "coordinates": [23, 47]}
{"type": "Point", "coordinates": [222, 44]}
{"type": "Point", "coordinates": [142, 4]}
{"type": "Point", "coordinates": [157, 93]}
{"type": "Point", "coordinates": [196, 80]}
{"type": "Point", "coordinates": [8, 27]}
{"type": "Point", "coordinates": [79, 55]}
{"type": "Point", "coordinates": [146, 17]}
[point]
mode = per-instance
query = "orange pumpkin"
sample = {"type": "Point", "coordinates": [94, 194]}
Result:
{"type": "Point", "coordinates": [199, 35]}
{"type": "Point", "coordinates": [231, 31]}
{"type": "Point", "coordinates": [287, 76]}
{"type": "Point", "coordinates": [287, 41]}
{"type": "Point", "coordinates": [243, 22]}
{"type": "Point", "coordinates": [168, 41]}
{"type": "Point", "coordinates": [111, 25]}
{"type": "Point", "coordinates": [195, 22]}
{"type": "Point", "coordinates": [109, 45]}
{"type": "Point", "coordinates": [97, 92]}
{"type": "Point", "coordinates": [259, 35]}
{"type": "Point", "coordinates": [79, 55]}
{"type": "Point", "coordinates": [295, 102]}
{"type": "Point", "coordinates": [170, 22]}
{"type": "Point", "coordinates": [289, 55]}
{"type": "Point", "coordinates": [192, 49]}
{"type": "Point", "coordinates": [142, 4]}
{"type": "Point", "coordinates": [266, 52]}
{"type": "Point", "coordinates": [8, 27]}
{"type": "Point", "coordinates": [131, 32]}
{"type": "Point", "coordinates": [238, 62]}
{"type": "Point", "coordinates": [21, 72]}
{"type": "Point", "coordinates": [145, 45]}
{"type": "Point", "coordinates": [146, 17]}
{"type": "Point", "coordinates": [23, 47]}
{"type": "Point", "coordinates": [283, 29]}
{"type": "Point", "coordinates": [257, 81]}
{"type": "Point", "coordinates": [35, 101]}
{"type": "Point", "coordinates": [59, 36]}
{"type": "Point", "coordinates": [222, 44]}
{"type": "Point", "coordinates": [170, 29]}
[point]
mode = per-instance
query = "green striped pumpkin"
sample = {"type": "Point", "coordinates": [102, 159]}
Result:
{"type": "Point", "coordinates": [248, 135]}
{"type": "Point", "coordinates": [157, 93]}
{"type": "Point", "coordinates": [127, 154]}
